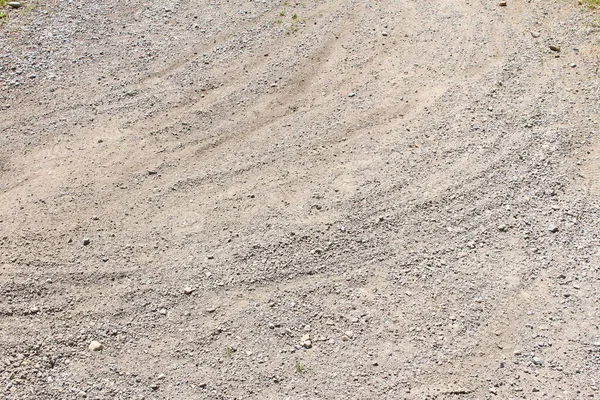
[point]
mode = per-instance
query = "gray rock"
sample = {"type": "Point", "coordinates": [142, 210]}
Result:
{"type": "Point", "coordinates": [14, 4]}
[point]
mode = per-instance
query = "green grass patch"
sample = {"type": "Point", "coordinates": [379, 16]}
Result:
{"type": "Point", "coordinates": [592, 3]}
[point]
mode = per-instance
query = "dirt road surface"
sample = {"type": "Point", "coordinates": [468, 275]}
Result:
{"type": "Point", "coordinates": [316, 200]}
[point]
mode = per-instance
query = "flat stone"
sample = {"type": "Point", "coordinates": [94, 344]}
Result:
{"type": "Point", "coordinates": [14, 4]}
{"type": "Point", "coordinates": [95, 346]}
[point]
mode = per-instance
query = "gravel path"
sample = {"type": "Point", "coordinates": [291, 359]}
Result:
{"type": "Point", "coordinates": [317, 200]}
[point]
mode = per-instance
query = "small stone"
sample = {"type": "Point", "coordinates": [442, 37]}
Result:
{"type": "Point", "coordinates": [188, 290]}
{"type": "Point", "coordinates": [154, 386]}
{"type": "Point", "coordinates": [211, 310]}
{"type": "Point", "coordinates": [95, 218]}
{"type": "Point", "coordinates": [384, 34]}
{"type": "Point", "coordinates": [573, 65]}
{"type": "Point", "coordinates": [502, 4]}
{"type": "Point", "coordinates": [307, 344]}
{"type": "Point", "coordinates": [349, 334]}
{"type": "Point", "coordinates": [271, 326]}
{"type": "Point", "coordinates": [86, 241]}
{"type": "Point", "coordinates": [554, 48]}
{"type": "Point", "coordinates": [304, 338]}
{"type": "Point", "coordinates": [502, 228]}
{"type": "Point", "coordinates": [535, 34]}
{"type": "Point", "coordinates": [352, 95]}
{"type": "Point", "coordinates": [161, 376]}
{"type": "Point", "coordinates": [538, 361]}
{"type": "Point", "coordinates": [95, 346]}
{"type": "Point", "coordinates": [162, 311]}
{"type": "Point", "coordinates": [14, 4]}
{"type": "Point", "coordinates": [493, 390]}
{"type": "Point", "coordinates": [535, 390]}
{"type": "Point", "coordinates": [152, 172]}
{"type": "Point", "coordinates": [375, 363]}
{"type": "Point", "coordinates": [553, 228]}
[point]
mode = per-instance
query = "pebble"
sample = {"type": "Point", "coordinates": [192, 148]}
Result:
{"type": "Point", "coordinates": [502, 228]}
{"type": "Point", "coordinates": [554, 48]}
{"type": "Point", "coordinates": [95, 346]}
{"type": "Point", "coordinates": [14, 4]}
{"type": "Point", "coordinates": [538, 361]}
{"type": "Point", "coordinates": [384, 34]}
{"type": "Point", "coordinates": [86, 241]}
{"type": "Point", "coordinates": [188, 290]}
{"type": "Point", "coordinates": [162, 311]}
{"type": "Point", "coordinates": [502, 4]}
{"type": "Point", "coordinates": [305, 341]}
{"type": "Point", "coordinates": [535, 34]}
{"type": "Point", "coordinates": [553, 228]}
{"type": "Point", "coordinates": [350, 334]}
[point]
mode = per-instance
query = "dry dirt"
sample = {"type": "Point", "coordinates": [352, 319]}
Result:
{"type": "Point", "coordinates": [317, 200]}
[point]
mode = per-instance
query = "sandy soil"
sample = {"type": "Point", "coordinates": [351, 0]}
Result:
{"type": "Point", "coordinates": [315, 200]}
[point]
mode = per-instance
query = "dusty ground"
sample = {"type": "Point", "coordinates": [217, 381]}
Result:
{"type": "Point", "coordinates": [321, 200]}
